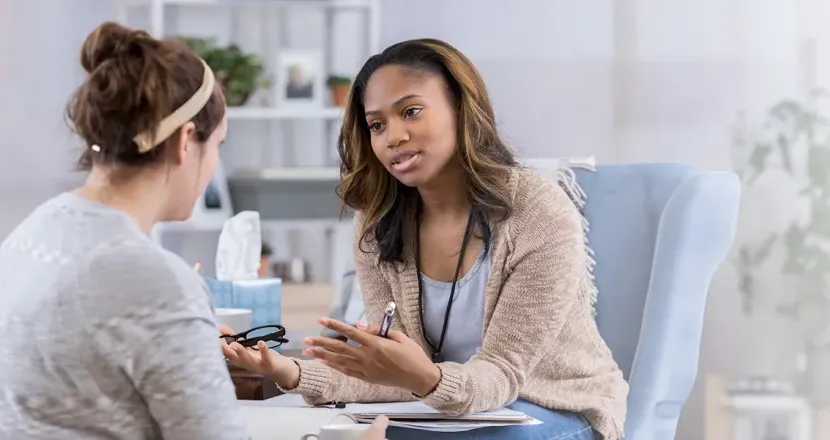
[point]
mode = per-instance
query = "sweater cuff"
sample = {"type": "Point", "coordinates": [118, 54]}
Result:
{"type": "Point", "coordinates": [314, 379]}
{"type": "Point", "coordinates": [449, 387]}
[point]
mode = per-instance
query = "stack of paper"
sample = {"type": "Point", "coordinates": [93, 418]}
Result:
{"type": "Point", "coordinates": [417, 415]}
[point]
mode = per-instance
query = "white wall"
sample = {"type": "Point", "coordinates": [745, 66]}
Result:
{"type": "Point", "coordinates": [548, 64]}
{"type": "Point", "coordinates": [40, 69]}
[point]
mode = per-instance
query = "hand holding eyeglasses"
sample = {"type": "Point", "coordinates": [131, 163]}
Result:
{"type": "Point", "coordinates": [259, 358]}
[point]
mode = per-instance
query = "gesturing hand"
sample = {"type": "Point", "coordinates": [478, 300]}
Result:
{"type": "Point", "coordinates": [394, 361]}
{"type": "Point", "coordinates": [262, 360]}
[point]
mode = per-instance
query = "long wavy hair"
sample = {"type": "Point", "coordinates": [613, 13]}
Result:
{"type": "Point", "coordinates": [389, 208]}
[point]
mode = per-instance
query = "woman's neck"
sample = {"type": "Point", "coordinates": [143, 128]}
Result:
{"type": "Point", "coordinates": [446, 195]}
{"type": "Point", "coordinates": [140, 198]}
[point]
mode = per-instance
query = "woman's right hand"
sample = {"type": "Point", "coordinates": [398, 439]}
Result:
{"type": "Point", "coordinates": [282, 370]}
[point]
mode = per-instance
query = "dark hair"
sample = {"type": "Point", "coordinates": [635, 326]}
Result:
{"type": "Point", "coordinates": [389, 207]}
{"type": "Point", "coordinates": [134, 81]}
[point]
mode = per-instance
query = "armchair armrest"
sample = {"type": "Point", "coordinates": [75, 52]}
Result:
{"type": "Point", "coordinates": [703, 209]}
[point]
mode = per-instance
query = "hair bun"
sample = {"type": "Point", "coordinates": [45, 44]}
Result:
{"type": "Point", "coordinates": [111, 41]}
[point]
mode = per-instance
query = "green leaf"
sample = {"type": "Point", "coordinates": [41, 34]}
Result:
{"type": "Point", "coordinates": [240, 73]}
{"type": "Point", "coordinates": [746, 286]}
{"type": "Point", "coordinates": [820, 218]}
{"type": "Point", "coordinates": [758, 160]}
{"type": "Point", "coordinates": [744, 258]}
{"type": "Point", "coordinates": [785, 148]}
{"type": "Point", "coordinates": [818, 166]}
{"type": "Point", "coordinates": [764, 250]}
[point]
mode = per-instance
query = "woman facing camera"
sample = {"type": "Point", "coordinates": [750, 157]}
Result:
{"type": "Point", "coordinates": [486, 262]}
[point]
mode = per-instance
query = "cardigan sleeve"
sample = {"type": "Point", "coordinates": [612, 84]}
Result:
{"type": "Point", "coordinates": [321, 384]}
{"type": "Point", "coordinates": [544, 276]}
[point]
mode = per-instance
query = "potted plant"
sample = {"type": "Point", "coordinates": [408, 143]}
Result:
{"type": "Point", "coordinates": [339, 86]}
{"type": "Point", "coordinates": [240, 73]}
{"type": "Point", "coordinates": [793, 144]}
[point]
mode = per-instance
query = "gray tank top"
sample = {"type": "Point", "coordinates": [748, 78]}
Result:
{"type": "Point", "coordinates": [465, 330]}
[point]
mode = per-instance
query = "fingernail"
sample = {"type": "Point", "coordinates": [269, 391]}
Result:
{"type": "Point", "coordinates": [308, 352]}
{"type": "Point", "coordinates": [362, 325]}
{"type": "Point", "coordinates": [323, 321]}
{"type": "Point", "coordinates": [307, 341]}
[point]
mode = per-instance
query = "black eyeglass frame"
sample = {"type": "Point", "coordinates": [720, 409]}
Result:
{"type": "Point", "coordinates": [243, 340]}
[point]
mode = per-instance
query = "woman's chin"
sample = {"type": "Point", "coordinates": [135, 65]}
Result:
{"type": "Point", "coordinates": [411, 180]}
{"type": "Point", "coordinates": [178, 215]}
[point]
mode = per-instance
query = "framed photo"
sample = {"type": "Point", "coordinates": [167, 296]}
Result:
{"type": "Point", "coordinates": [300, 79]}
{"type": "Point", "coordinates": [214, 205]}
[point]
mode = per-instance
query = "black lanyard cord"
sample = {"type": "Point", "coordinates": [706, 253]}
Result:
{"type": "Point", "coordinates": [437, 350]}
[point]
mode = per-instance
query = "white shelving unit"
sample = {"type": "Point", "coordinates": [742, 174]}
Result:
{"type": "Point", "coordinates": [161, 17]}
{"type": "Point", "coordinates": [265, 113]}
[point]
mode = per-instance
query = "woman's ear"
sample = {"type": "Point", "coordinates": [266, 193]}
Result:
{"type": "Point", "coordinates": [182, 144]}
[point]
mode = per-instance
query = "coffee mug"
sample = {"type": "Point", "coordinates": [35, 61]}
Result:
{"type": "Point", "coordinates": [339, 432]}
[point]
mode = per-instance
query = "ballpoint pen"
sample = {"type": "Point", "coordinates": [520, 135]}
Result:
{"type": "Point", "coordinates": [386, 323]}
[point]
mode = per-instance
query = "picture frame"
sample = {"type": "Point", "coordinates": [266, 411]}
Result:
{"type": "Point", "coordinates": [300, 79]}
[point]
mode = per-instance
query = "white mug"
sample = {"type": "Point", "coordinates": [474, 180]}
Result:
{"type": "Point", "coordinates": [237, 319]}
{"type": "Point", "coordinates": [339, 432]}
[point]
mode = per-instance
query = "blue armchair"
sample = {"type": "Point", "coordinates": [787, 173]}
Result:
{"type": "Point", "coordinates": [659, 232]}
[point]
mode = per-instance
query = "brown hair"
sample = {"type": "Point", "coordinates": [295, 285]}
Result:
{"type": "Point", "coordinates": [388, 206]}
{"type": "Point", "coordinates": [134, 81]}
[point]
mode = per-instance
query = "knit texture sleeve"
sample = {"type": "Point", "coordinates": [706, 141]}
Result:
{"type": "Point", "coordinates": [544, 276]}
{"type": "Point", "coordinates": [321, 384]}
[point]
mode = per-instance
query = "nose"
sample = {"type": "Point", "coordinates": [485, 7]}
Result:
{"type": "Point", "coordinates": [397, 134]}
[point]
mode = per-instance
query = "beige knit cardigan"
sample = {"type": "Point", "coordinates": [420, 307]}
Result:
{"type": "Point", "coordinates": [541, 341]}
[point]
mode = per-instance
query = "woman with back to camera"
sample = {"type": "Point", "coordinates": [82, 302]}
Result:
{"type": "Point", "coordinates": [486, 262]}
{"type": "Point", "coordinates": [107, 335]}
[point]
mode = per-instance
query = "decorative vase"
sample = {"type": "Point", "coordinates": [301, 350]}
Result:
{"type": "Point", "coordinates": [340, 94]}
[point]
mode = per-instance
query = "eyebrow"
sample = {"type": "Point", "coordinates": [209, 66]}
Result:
{"type": "Point", "coordinates": [394, 104]}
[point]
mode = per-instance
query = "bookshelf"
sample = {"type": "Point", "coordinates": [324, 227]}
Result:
{"type": "Point", "coordinates": [275, 153]}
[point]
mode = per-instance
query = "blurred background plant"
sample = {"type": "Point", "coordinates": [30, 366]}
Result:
{"type": "Point", "coordinates": [240, 73]}
{"type": "Point", "coordinates": [793, 139]}
{"type": "Point", "coordinates": [792, 146]}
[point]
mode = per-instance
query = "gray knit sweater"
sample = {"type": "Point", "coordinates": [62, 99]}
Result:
{"type": "Point", "coordinates": [106, 335]}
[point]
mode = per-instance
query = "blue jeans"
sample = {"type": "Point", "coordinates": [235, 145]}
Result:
{"type": "Point", "coordinates": [555, 425]}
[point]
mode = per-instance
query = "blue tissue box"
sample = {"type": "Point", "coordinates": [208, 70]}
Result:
{"type": "Point", "coordinates": [262, 296]}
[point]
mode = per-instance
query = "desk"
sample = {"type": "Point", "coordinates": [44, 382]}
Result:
{"type": "Point", "coordinates": [286, 417]}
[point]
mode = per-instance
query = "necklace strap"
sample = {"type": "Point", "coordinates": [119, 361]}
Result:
{"type": "Point", "coordinates": [436, 350]}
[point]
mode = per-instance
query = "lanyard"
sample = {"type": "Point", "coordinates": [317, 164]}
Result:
{"type": "Point", "coordinates": [436, 351]}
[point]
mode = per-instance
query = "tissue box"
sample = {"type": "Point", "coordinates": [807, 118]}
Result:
{"type": "Point", "coordinates": [262, 296]}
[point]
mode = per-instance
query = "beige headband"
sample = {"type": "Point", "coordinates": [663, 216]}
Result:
{"type": "Point", "coordinates": [146, 141]}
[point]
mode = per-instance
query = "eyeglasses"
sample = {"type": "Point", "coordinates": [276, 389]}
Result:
{"type": "Point", "coordinates": [273, 335]}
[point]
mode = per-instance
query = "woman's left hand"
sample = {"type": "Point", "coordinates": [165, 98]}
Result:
{"type": "Point", "coordinates": [394, 361]}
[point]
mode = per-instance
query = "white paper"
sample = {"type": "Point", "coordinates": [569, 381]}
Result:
{"type": "Point", "coordinates": [370, 410]}
{"type": "Point", "coordinates": [240, 248]}
{"type": "Point", "coordinates": [499, 417]}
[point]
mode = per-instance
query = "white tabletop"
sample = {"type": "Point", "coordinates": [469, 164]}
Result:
{"type": "Point", "coordinates": [286, 417]}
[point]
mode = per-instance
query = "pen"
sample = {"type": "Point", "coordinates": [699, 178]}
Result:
{"type": "Point", "coordinates": [386, 323]}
